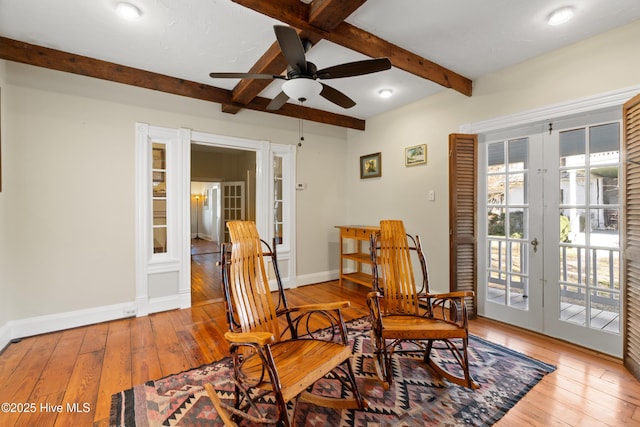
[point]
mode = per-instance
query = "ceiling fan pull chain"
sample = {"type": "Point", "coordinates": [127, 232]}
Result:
{"type": "Point", "coordinates": [301, 131]}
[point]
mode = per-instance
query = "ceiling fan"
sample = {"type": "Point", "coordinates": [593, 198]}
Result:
{"type": "Point", "coordinates": [302, 77]}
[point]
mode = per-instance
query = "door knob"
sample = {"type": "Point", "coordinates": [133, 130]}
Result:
{"type": "Point", "coordinates": [534, 242]}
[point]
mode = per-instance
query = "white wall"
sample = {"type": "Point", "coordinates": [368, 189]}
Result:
{"type": "Point", "coordinates": [601, 64]}
{"type": "Point", "coordinates": [5, 301]}
{"type": "Point", "coordinates": [68, 193]}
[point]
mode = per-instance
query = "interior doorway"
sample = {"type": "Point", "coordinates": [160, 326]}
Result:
{"type": "Point", "coordinates": [215, 171]}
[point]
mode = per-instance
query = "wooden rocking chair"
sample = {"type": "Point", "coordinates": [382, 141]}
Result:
{"type": "Point", "coordinates": [400, 313]}
{"type": "Point", "coordinates": [265, 362]}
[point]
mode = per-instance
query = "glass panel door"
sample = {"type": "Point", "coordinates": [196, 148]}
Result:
{"type": "Point", "coordinates": [511, 224]}
{"type": "Point", "coordinates": [584, 302]}
{"type": "Point", "coordinates": [550, 261]}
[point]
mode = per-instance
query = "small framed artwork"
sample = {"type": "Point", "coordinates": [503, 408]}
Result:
{"type": "Point", "coordinates": [415, 155]}
{"type": "Point", "coordinates": [371, 165]}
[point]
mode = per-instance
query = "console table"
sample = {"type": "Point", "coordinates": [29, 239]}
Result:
{"type": "Point", "coordinates": [359, 234]}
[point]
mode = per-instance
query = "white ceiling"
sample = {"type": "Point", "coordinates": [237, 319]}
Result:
{"type": "Point", "coordinates": [190, 38]}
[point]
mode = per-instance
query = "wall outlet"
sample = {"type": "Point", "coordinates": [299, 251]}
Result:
{"type": "Point", "coordinates": [431, 195]}
{"type": "Point", "coordinates": [301, 186]}
{"type": "Point", "coordinates": [129, 311]}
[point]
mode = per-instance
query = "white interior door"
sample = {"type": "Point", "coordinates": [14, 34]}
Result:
{"type": "Point", "coordinates": [550, 209]}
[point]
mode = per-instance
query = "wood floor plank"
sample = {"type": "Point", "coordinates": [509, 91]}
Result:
{"type": "Point", "coordinates": [83, 389]}
{"type": "Point", "coordinates": [173, 359]}
{"type": "Point", "coordinates": [116, 365]}
{"type": "Point", "coordinates": [96, 361]}
{"type": "Point", "coordinates": [96, 338]}
{"type": "Point", "coordinates": [57, 372]}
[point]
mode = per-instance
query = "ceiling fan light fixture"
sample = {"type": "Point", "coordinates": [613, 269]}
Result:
{"type": "Point", "coordinates": [301, 89]}
{"type": "Point", "coordinates": [128, 11]}
{"type": "Point", "coordinates": [560, 16]}
{"type": "Point", "coordinates": [385, 93]}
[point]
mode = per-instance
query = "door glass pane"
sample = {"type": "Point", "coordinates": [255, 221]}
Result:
{"type": "Point", "coordinates": [573, 304]}
{"type": "Point", "coordinates": [605, 311]}
{"type": "Point", "coordinates": [604, 143]}
{"type": "Point", "coordinates": [495, 157]}
{"type": "Point", "coordinates": [518, 149]}
{"type": "Point", "coordinates": [518, 223]}
{"type": "Point", "coordinates": [517, 189]}
{"type": "Point", "coordinates": [572, 147]}
{"type": "Point", "coordinates": [573, 187]}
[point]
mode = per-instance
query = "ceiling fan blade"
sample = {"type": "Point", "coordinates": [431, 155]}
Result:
{"type": "Point", "coordinates": [337, 97]}
{"type": "Point", "coordinates": [291, 47]}
{"type": "Point", "coordinates": [277, 102]}
{"type": "Point", "coordinates": [243, 76]}
{"type": "Point", "coordinates": [357, 68]}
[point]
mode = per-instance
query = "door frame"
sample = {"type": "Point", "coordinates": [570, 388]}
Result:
{"type": "Point", "coordinates": [602, 102]}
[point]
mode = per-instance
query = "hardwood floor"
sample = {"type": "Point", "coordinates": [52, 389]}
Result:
{"type": "Point", "coordinates": [85, 366]}
{"type": "Point", "coordinates": [206, 283]}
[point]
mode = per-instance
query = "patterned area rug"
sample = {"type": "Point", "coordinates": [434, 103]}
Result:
{"type": "Point", "coordinates": [416, 398]}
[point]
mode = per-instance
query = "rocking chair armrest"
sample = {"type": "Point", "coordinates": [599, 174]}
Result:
{"type": "Point", "coordinates": [373, 295]}
{"type": "Point", "coordinates": [260, 338]}
{"type": "Point", "coordinates": [449, 295]}
{"type": "Point", "coordinates": [335, 305]}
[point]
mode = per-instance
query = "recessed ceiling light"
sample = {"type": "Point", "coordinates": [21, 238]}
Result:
{"type": "Point", "coordinates": [385, 93]}
{"type": "Point", "coordinates": [560, 16]}
{"type": "Point", "coordinates": [128, 11]}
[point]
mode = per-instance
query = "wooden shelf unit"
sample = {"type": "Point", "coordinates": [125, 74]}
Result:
{"type": "Point", "coordinates": [358, 233]}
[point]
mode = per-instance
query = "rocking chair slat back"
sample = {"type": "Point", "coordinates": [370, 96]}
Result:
{"type": "Point", "coordinates": [395, 269]}
{"type": "Point", "coordinates": [249, 282]}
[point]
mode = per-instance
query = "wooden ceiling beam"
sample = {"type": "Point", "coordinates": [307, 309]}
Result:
{"type": "Point", "coordinates": [17, 51]}
{"type": "Point", "coordinates": [328, 14]}
{"type": "Point", "coordinates": [295, 13]}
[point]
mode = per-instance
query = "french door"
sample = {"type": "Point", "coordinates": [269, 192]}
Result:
{"type": "Point", "coordinates": [550, 209]}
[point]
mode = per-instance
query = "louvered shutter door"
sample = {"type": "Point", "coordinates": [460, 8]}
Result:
{"type": "Point", "coordinates": [463, 156]}
{"type": "Point", "coordinates": [631, 244]}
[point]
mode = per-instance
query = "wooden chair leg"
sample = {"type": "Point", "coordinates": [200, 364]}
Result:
{"type": "Point", "coordinates": [222, 413]}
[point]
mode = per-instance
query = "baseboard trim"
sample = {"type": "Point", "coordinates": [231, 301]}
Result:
{"type": "Point", "coordinates": [37, 325]}
{"type": "Point", "coordinates": [322, 276]}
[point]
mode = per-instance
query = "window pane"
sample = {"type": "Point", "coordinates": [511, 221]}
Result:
{"type": "Point", "coordinates": [495, 222]}
{"type": "Point", "coordinates": [158, 156]}
{"type": "Point", "coordinates": [573, 187]}
{"type": "Point", "coordinates": [496, 189]}
{"type": "Point", "coordinates": [604, 143]}
{"type": "Point", "coordinates": [572, 147]}
{"type": "Point", "coordinates": [159, 240]}
{"type": "Point", "coordinates": [518, 154]}
{"type": "Point", "coordinates": [518, 223]}
{"type": "Point", "coordinates": [605, 311]}
{"type": "Point", "coordinates": [159, 184]}
{"type": "Point", "coordinates": [159, 212]}
{"type": "Point", "coordinates": [604, 228]}
{"type": "Point", "coordinates": [495, 157]}
{"type": "Point", "coordinates": [573, 304]}
{"type": "Point", "coordinates": [517, 189]}
{"type": "Point", "coordinates": [604, 188]}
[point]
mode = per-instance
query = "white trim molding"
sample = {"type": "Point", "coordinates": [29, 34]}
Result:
{"type": "Point", "coordinates": [569, 108]}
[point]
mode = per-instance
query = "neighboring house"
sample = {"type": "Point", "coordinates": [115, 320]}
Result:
{"type": "Point", "coordinates": [68, 201]}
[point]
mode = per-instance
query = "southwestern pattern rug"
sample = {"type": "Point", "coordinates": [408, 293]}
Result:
{"type": "Point", "coordinates": [415, 398]}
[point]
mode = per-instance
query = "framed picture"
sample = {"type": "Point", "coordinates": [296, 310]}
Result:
{"type": "Point", "coordinates": [371, 165]}
{"type": "Point", "coordinates": [415, 155]}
